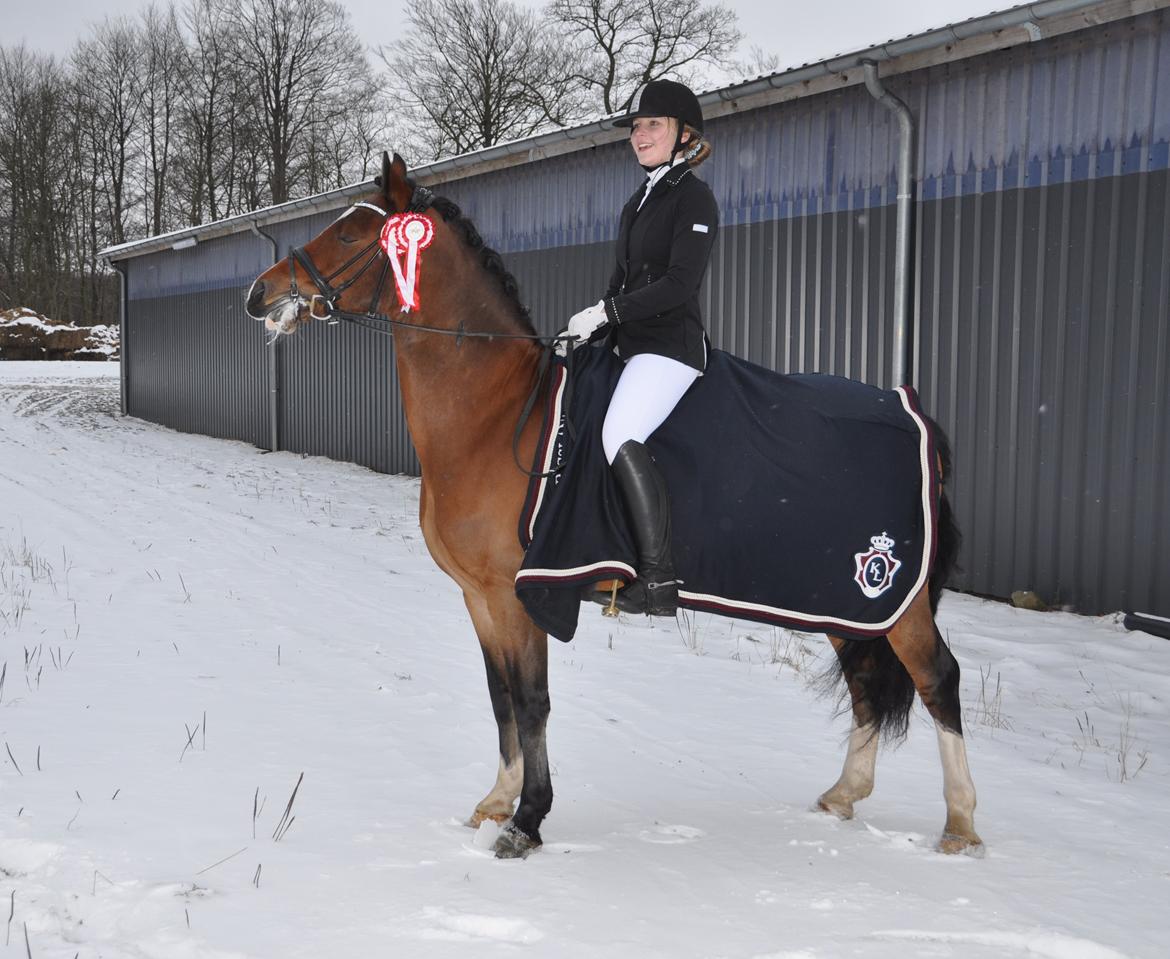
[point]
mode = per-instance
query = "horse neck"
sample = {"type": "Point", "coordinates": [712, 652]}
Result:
{"type": "Point", "coordinates": [463, 397]}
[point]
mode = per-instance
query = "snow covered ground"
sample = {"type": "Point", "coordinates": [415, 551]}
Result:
{"type": "Point", "coordinates": [187, 625]}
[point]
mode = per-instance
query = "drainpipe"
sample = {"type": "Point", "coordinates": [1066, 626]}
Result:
{"type": "Point", "coordinates": [273, 380]}
{"type": "Point", "coordinates": [901, 369]}
{"type": "Point", "coordinates": [123, 367]}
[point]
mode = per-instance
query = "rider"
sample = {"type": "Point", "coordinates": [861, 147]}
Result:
{"type": "Point", "coordinates": [652, 309]}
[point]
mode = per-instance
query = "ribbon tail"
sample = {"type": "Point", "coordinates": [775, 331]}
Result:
{"type": "Point", "coordinates": [412, 271]}
{"type": "Point", "coordinates": [399, 282]}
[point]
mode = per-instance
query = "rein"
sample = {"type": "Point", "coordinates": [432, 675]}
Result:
{"type": "Point", "coordinates": [381, 323]}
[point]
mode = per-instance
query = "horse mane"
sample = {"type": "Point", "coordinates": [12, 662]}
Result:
{"type": "Point", "coordinates": [491, 261]}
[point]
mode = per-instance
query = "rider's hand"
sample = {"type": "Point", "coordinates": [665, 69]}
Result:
{"type": "Point", "coordinates": [584, 324]}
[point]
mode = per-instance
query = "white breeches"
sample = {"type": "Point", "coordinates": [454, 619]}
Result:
{"type": "Point", "coordinates": [649, 388]}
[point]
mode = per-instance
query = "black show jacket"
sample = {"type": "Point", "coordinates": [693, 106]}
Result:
{"type": "Point", "coordinates": [662, 254]}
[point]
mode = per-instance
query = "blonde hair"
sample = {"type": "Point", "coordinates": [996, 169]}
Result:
{"type": "Point", "coordinates": [697, 148]}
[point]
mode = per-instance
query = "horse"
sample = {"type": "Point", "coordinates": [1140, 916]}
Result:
{"type": "Point", "coordinates": [468, 359]}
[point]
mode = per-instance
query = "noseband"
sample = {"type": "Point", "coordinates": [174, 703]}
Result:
{"type": "Point", "coordinates": [327, 293]}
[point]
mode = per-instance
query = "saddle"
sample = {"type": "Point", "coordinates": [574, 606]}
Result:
{"type": "Point", "coordinates": [807, 501]}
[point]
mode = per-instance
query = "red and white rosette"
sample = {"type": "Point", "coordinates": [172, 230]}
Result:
{"type": "Point", "coordinates": [405, 234]}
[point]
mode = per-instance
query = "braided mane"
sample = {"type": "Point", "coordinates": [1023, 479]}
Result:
{"type": "Point", "coordinates": [489, 258]}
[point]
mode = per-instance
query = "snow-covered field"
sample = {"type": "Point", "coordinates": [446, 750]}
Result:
{"type": "Point", "coordinates": [187, 625]}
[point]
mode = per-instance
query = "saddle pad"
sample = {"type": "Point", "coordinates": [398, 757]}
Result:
{"type": "Point", "coordinates": [806, 501]}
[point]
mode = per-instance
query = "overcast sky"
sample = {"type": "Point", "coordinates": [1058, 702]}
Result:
{"type": "Point", "coordinates": [819, 30]}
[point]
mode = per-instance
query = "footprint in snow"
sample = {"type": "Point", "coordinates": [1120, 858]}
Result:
{"type": "Point", "coordinates": [901, 840]}
{"type": "Point", "coordinates": [444, 924]}
{"type": "Point", "coordinates": [670, 835]}
{"type": "Point", "coordinates": [19, 857]}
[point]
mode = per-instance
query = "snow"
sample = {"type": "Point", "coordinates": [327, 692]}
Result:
{"type": "Point", "coordinates": [23, 316]}
{"type": "Point", "coordinates": [187, 625]}
{"type": "Point", "coordinates": [102, 338]}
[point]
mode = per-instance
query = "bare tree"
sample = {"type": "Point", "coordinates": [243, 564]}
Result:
{"type": "Point", "coordinates": [210, 108]}
{"type": "Point", "coordinates": [165, 69]}
{"type": "Point", "coordinates": [757, 63]}
{"type": "Point", "coordinates": [108, 68]}
{"type": "Point", "coordinates": [50, 181]}
{"type": "Point", "coordinates": [299, 55]}
{"type": "Point", "coordinates": [33, 95]}
{"type": "Point", "coordinates": [621, 44]}
{"type": "Point", "coordinates": [472, 73]}
{"type": "Point", "coordinates": [341, 150]}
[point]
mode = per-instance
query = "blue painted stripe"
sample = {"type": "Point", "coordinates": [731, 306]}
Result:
{"type": "Point", "coordinates": [1060, 169]}
{"type": "Point", "coordinates": [153, 292]}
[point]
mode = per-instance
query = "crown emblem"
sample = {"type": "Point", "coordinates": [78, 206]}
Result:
{"type": "Point", "coordinates": [875, 569]}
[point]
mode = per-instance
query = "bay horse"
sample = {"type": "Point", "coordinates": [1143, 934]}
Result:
{"type": "Point", "coordinates": [463, 394]}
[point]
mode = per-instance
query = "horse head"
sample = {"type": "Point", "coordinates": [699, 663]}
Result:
{"type": "Point", "coordinates": [346, 266]}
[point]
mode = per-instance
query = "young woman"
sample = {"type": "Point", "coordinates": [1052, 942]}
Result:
{"type": "Point", "coordinates": [651, 309]}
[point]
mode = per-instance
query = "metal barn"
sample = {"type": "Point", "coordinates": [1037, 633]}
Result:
{"type": "Point", "coordinates": [1038, 298]}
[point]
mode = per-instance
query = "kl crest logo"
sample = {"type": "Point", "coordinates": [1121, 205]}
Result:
{"type": "Point", "coordinates": [877, 566]}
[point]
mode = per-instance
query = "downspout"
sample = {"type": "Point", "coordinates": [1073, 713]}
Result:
{"type": "Point", "coordinates": [123, 367]}
{"type": "Point", "coordinates": [901, 371]}
{"type": "Point", "coordinates": [273, 381]}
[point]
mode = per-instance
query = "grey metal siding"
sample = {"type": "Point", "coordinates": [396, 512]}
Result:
{"type": "Point", "coordinates": [1044, 353]}
{"type": "Point", "coordinates": [339, 398]}
{"type": "Point", "coordinates": [197, 365]}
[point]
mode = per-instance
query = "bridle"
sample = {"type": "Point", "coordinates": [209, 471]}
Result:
{"type": "Point", "coordinates": [328, 295]}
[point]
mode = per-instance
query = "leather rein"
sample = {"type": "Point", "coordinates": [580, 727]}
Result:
{"type": "Point", "coordinates": [328, 295]}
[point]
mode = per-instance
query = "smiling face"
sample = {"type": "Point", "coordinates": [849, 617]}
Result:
{"type": "Point", "coordinates": [652, 139]}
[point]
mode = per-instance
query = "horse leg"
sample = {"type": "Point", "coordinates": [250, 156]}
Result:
{"type": "Point", "coordinates": [916, 641]}
{"type": "Point", "coordinates": [517, 656]}
{"type": "Point", "coordinates": [497, 805]}
{"type": "Point", "coordinates": [856, 780]}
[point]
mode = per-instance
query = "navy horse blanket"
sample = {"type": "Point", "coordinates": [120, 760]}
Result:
{"type": "Point", "coordinates": [807, 501]}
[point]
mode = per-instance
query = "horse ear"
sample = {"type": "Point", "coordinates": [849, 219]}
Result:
{"type": "Point", "coordinates": [393, 182]}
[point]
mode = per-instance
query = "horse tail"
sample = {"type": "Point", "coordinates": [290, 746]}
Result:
{"type": "Point", "coordinates": [946, 552]}
{"type": "Point", "coordinates": [876, 681]}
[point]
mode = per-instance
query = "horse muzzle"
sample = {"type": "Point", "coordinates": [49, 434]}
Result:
{"type": "Point", "coordinates": [282, 316]}
{"type": "Point", "coordinates": [255, 305]}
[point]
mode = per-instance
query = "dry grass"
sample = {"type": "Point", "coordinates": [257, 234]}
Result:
{"type": "Point", "coordinates": [1123, 755]}
{"type": "Point", "coordinates": [988, 709]}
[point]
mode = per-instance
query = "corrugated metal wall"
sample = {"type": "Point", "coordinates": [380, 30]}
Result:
{"type": "Point", "coordinates": [339, 398]}
{"type": "Point", "coordinates": [1042, 290]}
{"type": "Point", "coordinates": [193, 363]}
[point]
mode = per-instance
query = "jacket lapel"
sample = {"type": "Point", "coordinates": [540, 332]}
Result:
{"type": "Point", "coordinates": [635, 221]}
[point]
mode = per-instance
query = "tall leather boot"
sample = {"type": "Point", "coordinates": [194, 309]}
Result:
{"type": "Point", "coordinates": [655, 591]}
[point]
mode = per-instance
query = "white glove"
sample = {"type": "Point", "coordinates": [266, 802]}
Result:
{"type": "Point", "coordinates": [591, 319]}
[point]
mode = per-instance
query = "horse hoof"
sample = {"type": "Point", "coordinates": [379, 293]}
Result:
{"type": "Point", "coordinates": [479, 817]}
{"type": "Point", "coordinates": [514, 844]}
{"type": "Point", "coordinates": [953, 845]}
{"type": "Point", "coordinates": [835, 807]}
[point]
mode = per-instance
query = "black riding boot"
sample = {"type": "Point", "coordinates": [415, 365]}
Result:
{"type": "Point", "coordinates": [655, 591]}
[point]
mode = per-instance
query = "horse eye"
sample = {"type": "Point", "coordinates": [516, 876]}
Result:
{"type": "Point", "coordinates": [346, 239]}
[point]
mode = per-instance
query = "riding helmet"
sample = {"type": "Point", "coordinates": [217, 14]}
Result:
{"type": "Point", "coordinates": [664, 98]}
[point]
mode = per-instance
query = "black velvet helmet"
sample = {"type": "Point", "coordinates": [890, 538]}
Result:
{"type": "Point", "coordinates": [664, 98]}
